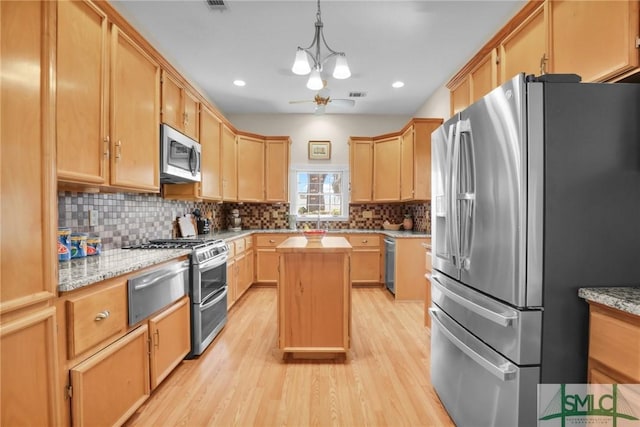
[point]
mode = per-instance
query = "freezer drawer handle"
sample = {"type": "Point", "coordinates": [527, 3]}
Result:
{"type": "Point", "coordinates": [504, 372]}
{"type": "Point", "coordinates": [503, 319]}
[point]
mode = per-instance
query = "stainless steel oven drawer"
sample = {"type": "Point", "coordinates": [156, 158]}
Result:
{"type": "Point", "coordinates": [513, 333]}
{"type": "Point", "coordinates": [476, 385]}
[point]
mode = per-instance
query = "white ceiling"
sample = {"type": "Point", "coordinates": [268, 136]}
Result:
{"type": "Point", "coordinates": [422, 43]}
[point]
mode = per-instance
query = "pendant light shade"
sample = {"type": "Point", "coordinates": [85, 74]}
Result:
{"type": "Point", "coordinates": [341, 71]}
{"type": "Point", "coordinates": [302, 66]}
{"type": "Point", "coordinates": [315, 80]}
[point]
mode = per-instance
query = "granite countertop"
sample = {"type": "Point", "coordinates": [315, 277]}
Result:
{"type": "Point", "coordinates": [625, 299]}
{"type": "Point", "coordinates": [81, 272]}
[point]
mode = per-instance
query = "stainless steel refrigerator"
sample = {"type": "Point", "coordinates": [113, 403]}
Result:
{"type": "Point", "coordinates": [535, 193]}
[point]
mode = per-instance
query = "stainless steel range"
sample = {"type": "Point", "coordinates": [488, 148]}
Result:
{"type": "Point", "coordinates": [207, 286]}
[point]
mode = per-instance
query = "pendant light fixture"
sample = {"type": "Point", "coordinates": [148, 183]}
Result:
{"type": "Point", "coordinates": [302, 67]}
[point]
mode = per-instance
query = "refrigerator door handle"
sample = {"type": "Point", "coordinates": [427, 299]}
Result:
{"type": "Point", "coordinates": [466, 197]}
{"type": "Point", "coordinates": [454, 220]}
{"type": "Point", "coordinates": [505, 318]}
{"type": "Point", "coordinates": [504, 372]}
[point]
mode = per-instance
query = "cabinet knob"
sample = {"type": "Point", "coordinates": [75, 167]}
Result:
{"type": "Point", "coordinates": [271, 241]}
{"type": "Point", "coordinates": [365, 241]}
{"type": "Point", "coordinates": [102, 315]}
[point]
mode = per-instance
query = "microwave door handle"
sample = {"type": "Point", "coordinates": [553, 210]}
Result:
{"type": "Point", "coordinates": [193, 160]}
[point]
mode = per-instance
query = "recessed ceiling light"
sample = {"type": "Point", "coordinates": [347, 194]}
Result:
{"type": "Point", "coordinates": [397, 84]}
{"type": "Point", "coordinates": [239, 83]}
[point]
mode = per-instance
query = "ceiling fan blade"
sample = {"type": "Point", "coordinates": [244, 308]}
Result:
{"type": "Point", "coordinates": [343, 102]}
{"type": "Point", "coordinates": [301, 102]}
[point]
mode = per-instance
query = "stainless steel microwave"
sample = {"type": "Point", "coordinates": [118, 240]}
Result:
{"type": "Point", "coordinates": [179, 157]}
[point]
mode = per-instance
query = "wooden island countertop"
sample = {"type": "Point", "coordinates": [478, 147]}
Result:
{"type": "Point", "coordinates": [314, 296]}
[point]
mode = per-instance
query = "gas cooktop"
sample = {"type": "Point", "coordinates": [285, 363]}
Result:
{"type": "Point", "coordinates": [203, 250]}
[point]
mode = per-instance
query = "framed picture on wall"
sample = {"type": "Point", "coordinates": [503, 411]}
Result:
{"type": "Point", "coordinates": [319, 150]}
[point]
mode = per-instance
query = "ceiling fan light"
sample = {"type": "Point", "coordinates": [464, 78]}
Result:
{"type": "Point", "coordinates": [315, 80]}
{"type": "Point", "coordinates": [341, 71]}
{"type": "Point", "coordinates": [301, 65]}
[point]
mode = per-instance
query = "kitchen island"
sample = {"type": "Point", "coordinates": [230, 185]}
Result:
{"type": "Point", "coordinates": [314, 296]}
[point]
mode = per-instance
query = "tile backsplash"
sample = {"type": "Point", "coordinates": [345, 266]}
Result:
{"type": "Point", "coordinates": [127, 218]}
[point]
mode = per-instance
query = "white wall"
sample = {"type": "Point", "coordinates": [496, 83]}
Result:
{"type": "Point", "coordinates": [328, 127]}
{"type": "Point", "coordinates": [303, 128]}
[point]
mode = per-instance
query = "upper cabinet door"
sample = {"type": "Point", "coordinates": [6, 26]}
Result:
{"type": "Point", "coordinates": [171, 101]}
{"type": "Point", "coordinates": [277, 169]}
{"type": "Point", "coordinates": [191, 115]}
{"type": "Point", "coordinates": [211, 185]}
{"type": "Point", "coordinates": [250, 169]}
{"type": "Point", "coordinates": [460, 96]}
{"type": "Point", "coordinates": [594, 39]}
{"type": "Point", "coordinates": [82, 96]}
{"type": "Point", "coordinates": [386, 170]}
{"type": "Point", "coordinates": [28, 214]}
{"type": "Point", "coordinates": [484, 77]}
{"type": "Point", "coordinates": [135, 113]}
{"type": "Point", "coordinates": [361, 173]}
{"type": "Point", "coordinates": [229, 165]}
{"type": "Point", "coordinates": [525, 49]}
{"type": "Point", "coordinates": [406, 165]}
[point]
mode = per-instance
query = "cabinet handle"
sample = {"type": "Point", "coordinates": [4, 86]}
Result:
{"type": "Point", "coordinates": [185, 119]}
{"type": "Point", "coordinates": [106, 146]}
{"type": "Point", "coordinates": [365, 241]}
{"type": "Point", "coordinates": [118, 149]}
{"type": "Point", "coordinates": [157, 338]}
{"type": "Point", "coordinates": [271, 241]}
{"type": "Point", "coordinates": [543, 64]}
{"type": "Point", "coordinates": [102, 315]}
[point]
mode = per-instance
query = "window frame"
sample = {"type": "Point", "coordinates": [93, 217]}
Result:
{"type": "Point", "coordinates": [294, 170]}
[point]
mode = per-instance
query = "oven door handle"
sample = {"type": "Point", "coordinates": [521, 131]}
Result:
{"type": "Point", "coordinates": [150, 282]}
{"type": "Point", "coordinates": [208, 304]}
{"type": "Point", "coordinates": [504, 371]}
{"type": "Point", "coordinates": [213, 263]}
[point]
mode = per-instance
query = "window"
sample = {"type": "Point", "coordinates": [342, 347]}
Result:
{"type": "Point", "coordinates": [319, 193]}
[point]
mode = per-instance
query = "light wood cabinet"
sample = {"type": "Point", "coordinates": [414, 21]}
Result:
{"type": "Point", "coordinates": [314, 310]}
{"type": "Point", "coordinates": [484, 76]}
{"type": "Point", "coordinates": [598, 40]}
{"type": "Point", "coordinates": [29, 392]}
{"type": "Point", "coordinates": [240, 268]}
{"type": "Point", "coordinates": [386, 169]}
{"type": "Point", "coordinates": [409, 271]}
{"type": "Point", "coordinates": [82, 93]}
{"type": "Point", "coordinates": [170, 334]}
{"type": "Point", "coordinates": [366, 259]}
{"type": "Point", "coordinates": [423, 128]}
{"type": "Point", "coordinates": [460, 96]}
{"type": "Point", "coordinates": [266, 263]}
{"type": "Point", "coordinates": [180, 108]}
{"type": "Point", "coordinates": [361, 169]}
{"type": "Point", "coordinates": [135, 115]}
{"type": "Point", "coordinates": [231, 283]}
{"type": "Point", "coordinates": [229, 165]}
{"type": "Point", "coordinates": [250, 169]}
{"type": "Point", "coordinates": [525, 49]}
{"type": "Point", "coordinates": [95, 316]}
{"type": "Point", "coordinates": [406, 164]}
{"type": "Point", "coordinates": [110, 385]}
{"type": "Point", "coordinates": [28, 211]}
{"type": "Point", "coordinates": [277, 169]}
{"type": "Point", "coordinates": [614, 346]}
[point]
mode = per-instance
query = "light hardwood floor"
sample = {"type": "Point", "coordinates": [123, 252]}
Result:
{"type": "Point", "coordinates": [242, 380]}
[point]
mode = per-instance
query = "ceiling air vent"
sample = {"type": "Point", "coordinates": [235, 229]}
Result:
{"type": "Point", "coordinates": [216, 4]}
{"type": "Point", "coordinates": [357, 94]}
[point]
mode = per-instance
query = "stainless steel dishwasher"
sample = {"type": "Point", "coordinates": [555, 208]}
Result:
{"type": "Point", "coordinates": [390, 264]}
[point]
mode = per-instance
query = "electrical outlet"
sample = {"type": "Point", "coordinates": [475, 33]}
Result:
{"type": "Point", "coordinates": [367, 214]}
{"type": "Point", "coordinates": [93, 218]}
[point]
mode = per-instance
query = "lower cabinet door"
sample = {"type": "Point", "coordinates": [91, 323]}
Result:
{"type": "Point", "coordinates": [110, 385]}
{"type": "Point", "coordinates": [365, 266]}
{"type": "Point", "coordinates": [170, 340]}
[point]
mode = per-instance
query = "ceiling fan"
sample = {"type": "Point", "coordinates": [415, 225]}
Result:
{"type": "Point", "coordinates": [322, 99]}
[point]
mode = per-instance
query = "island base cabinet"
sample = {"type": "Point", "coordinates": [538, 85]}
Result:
{"type": "Point", "coordinates": [109, 386]}
{"type": "Point", "coordinates": [314, 294]}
